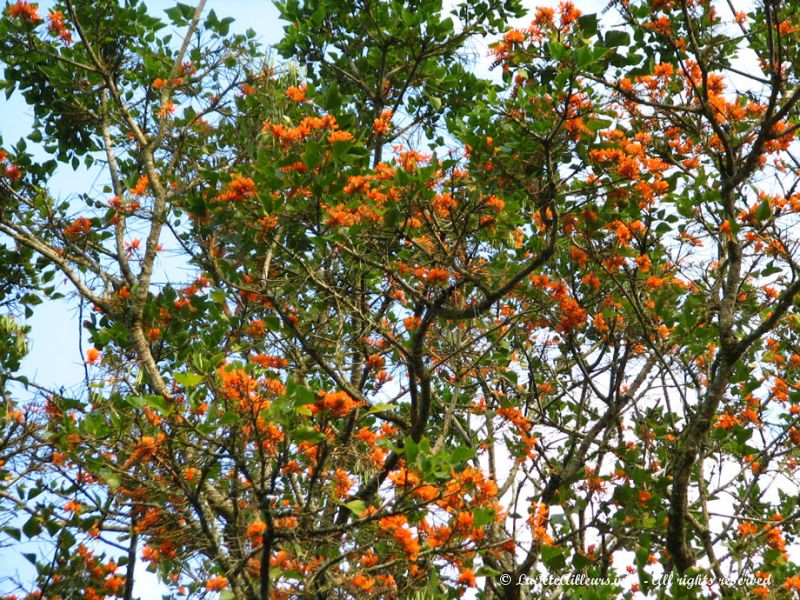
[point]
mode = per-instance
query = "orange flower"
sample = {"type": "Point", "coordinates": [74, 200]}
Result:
{"type": "Point", "coordinates": [467, 577]}
{"type": "Point", "coordinates": [663, 70]}
{"type": "Point", "coordinates": [792, 583]}
{"type": "Point", "coordinates": [140, 189]}
{"type": "Point", "coordinates": [726, 421]}
{"type": "Point", "coordinates": [591, 280]}
{"type": "Point", "coordinates": [57, 26]}
{"type": "Point", "coordinates": [298, 94]}
{"type": "Point", "coordinates": [80, 226]}
{"type": "Point", "coordinates": [339, 403]}
{"type": "Point", "coordinates": [92, 356]}
{"type": "Point", "coordinates": [538, 523]}
{"type": "Point", "coordinates": [643, 262]}
{"type": "Point", "coordinates": [579, 256]}
{"type": "Point", "coordinates": [381, 125]}
{"type": "Point", "coordinates": [515, 36]}
{"type": "Point", "coordinates": [412, 323]}
{"type": "Point", "coordinates": [255, 530]}
{"type": "Point", "coordinates": [750, 415]}
{"type": "Point", "coordinates": [340, 136]}
{"type": "Point", "coordinates": [239, 188]}
{"type": "Point", "coordinates": [216, 583]}
{"type": "Point", "coordinates": [363, 582]}
{"type": "Point", "coordinates": [747, 529]}
{"type": "Point", "coordinates": [25, 10]}
{"type": "Point", "coordinates": [343, 482]}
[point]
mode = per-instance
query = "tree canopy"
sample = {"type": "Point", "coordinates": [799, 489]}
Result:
{"type": "Point", "coordinates": [362, 323]}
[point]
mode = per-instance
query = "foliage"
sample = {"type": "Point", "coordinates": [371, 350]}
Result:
{"type": "Point", "coordinates": [439, 332]}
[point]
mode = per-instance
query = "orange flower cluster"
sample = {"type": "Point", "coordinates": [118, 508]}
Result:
{"type": "Point", "coordinates": [92, 356]}
{"type": "Point", "coordinates": [408, 480]}
{"type": "Point", "coordinates": [775, 537]}
{"type": "Point", "coordinates": [340, 136]}
{"type": "Point", "coordinates": [118, 205]}
{"type": "Point", "coordinates": [24, 10]}
{"type": "Point", "coordinates": [514, 36]}
{"type": "Point", "coordinates": [145, 449]}
{"type": "Point", "coordinates": [410, 159]}
{"type": "Point", "coordinates": [238, 189]}
{"type": "Point", "coordinates": [538, 523]}
{"type": "Point", "coordinates": [338, 403]}
{"type": "Point", "coordinates": [432, 274]}
{"type": "Point", "coordinates": [524, 427]}
{"type": "Point", "coordinates": [370, 438]}
{"type": "Point", "coordinates": [748, 529]}
{"type": "Point", "coordinates": [495, 203]}
{"type": "Point", "coordinates": [140, 189]}
{"type": "Point", "coordinates": [79, 227]}
{"type": "Point", "coordinates": [363, 582]}
{"type": "Point", "coordinates": [297, 93]}
{"type": "Point", "coordinates": [750, 415]}
{"type": "Point", "coordinates": [269, 362]}
{"type": "Point", "coordinates": [397, 526]}
{"type": "Point", "coordinates": [577, 106]}
{"type": "Point", "coordinates": [412, 323]}
{"type": "Point", "coordinates": [470, 482]}
{"type": "Point", "coordinates": [57, 26]}
{"type": "Point", "coordinates": [342, 215]}
{"type": "Point", "coordinates": [217, 583]}
{"type": "Point", "coordinates": [382, 124]}
{"type": "Point", "coordinates": [443, 204]}
{"type": "Point", "coordinates": [255, 531]}
{"type": "Point", "coordinates": [342, 483]}
{"type": "Point", "coordinates": [780, 389]}
{"type": "Point", "coordinates": [726, 421]}
{"type": "Point", "coordinates": [296, 167]}
{"type": "Point", "coordinates": [578, 256]}
{"type": "Point", "coordinates": [572, 314]}
{"type": "Point", "coordinates": [467, 578]}
{"type": "Point", "coordinates": [293, 135]}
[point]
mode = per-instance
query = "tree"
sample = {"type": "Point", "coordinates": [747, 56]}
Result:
{"type": "Point", "coordinates": [439, 333]}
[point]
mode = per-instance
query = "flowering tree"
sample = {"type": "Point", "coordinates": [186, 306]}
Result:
{"type": "Point", "coordinates": [438, 333]}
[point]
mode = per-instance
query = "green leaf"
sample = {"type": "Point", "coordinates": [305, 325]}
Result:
{"type": "Point", "coordinates": [617, 38]}
{"type": "Point", "coordinates": [228, 418]}
{"type": "Point", "coordinates": [32, 527]}
{"type": "Point", "coordinates": [381, 407]}
{"type": "Point", "coordinates": [763, 211]}
{"type": "Point", "coordinates": [157, 402]}
{"type": "Point", "coordinates": [588, 24]}
{"type": "Point", "coordinates": [487, 571]}
{"type": "Point", "coordinates": [304, 396]}
{"type": "Point", "coordinates": [557, 50]}
{"type": "Point", "coordinates": [462, 454]}
{"type": "Point", "coordinates": [583, 56]}
{"type": "Point", "coordinates": [308, 435]}
{"type": "Point", "coordinates": [554, 557]}
{"type": "Point", "coordinates": [189, 380]}
{"type": "Point", "coordinates": [482, 516]}
{"type": "Point", "coordinates": [356, 506]}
